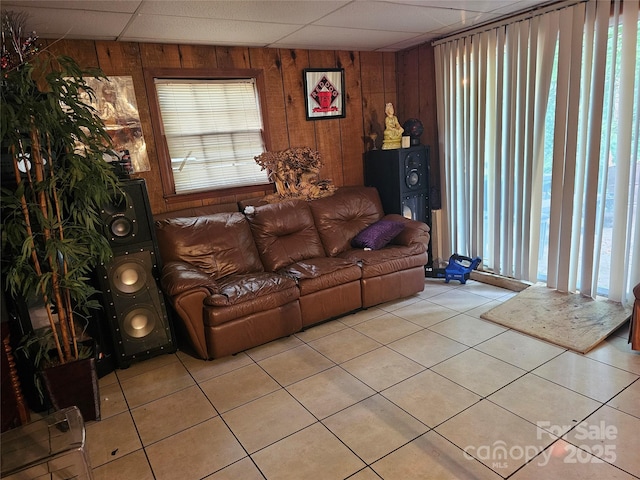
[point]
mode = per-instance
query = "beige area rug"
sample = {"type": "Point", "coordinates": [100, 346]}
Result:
{"type": "Point", "coordinates": [565, 319]}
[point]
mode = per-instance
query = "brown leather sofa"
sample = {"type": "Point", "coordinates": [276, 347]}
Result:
{"type": "Point", "coordinates": [237, 280]}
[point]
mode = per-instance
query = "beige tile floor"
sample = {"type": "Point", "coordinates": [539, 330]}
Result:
{"type": "Point", "coordinates": [416, 389]}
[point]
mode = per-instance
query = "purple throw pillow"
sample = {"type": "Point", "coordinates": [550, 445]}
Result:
{"type": "Point", "coordinates": [377, 235]}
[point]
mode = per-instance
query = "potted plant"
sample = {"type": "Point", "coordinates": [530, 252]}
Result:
{"type": "Point", "coordinates": [51, 225]}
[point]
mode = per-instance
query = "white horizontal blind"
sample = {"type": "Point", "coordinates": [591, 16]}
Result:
{"type": "Point", "coordinates": [213, 129]}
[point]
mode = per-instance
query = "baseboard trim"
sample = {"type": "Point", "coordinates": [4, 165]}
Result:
{"type": "Point", "coordinates": [499, 280]}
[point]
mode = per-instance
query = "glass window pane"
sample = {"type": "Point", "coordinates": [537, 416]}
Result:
{"type": "Point", "coordinates": [213, 130]}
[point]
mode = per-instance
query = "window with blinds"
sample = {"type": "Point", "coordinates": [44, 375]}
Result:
{"type": "Point", "coordinates": [213, 130]}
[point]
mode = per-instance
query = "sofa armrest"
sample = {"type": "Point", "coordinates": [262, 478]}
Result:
{"type": "Point", "coordinates": [180, 277]}
{"type": "Point", "coordinates": [187, 286]}
{"type": "Point", "coordinates": [414, 231]}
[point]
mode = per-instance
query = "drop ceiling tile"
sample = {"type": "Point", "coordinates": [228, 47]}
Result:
{"type": "Point", "coordinates": [469, 5]}
{"type": "Point", "coordinates": [388, 25]}
{"type": "Point", "coordinates": [413, 42]}
{"type": "Point", "coordinates": [204, 30]}
{"type": "Point", "coordinates": [294, 12]}
{"type": "Point", "coordinates": [52, 23]}
{"type": "Point", "coordinates": [123, 6]}
{"type": "Point", "coordinates": [515, 7]}
{"type": "Point", "coordinates": [391, 17]}
{"type": "Point", "coordinates": [341, 38]}
{"type": "Point", "coordinates": [469, 23]}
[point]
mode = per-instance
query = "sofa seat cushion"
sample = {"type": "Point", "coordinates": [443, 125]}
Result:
{"type": "Point", "coordinates": [392, 258]}
{"type": "Point", "coordinates": [241, 295]}
{"type": "Point", "coordinates": [220, 244]}
{"type": "Point", "coordinates": [237, 289]}
{"type": "Point", "coordinates": [285, 233]}
{"type": "Point", "coordinates": [322, 273]}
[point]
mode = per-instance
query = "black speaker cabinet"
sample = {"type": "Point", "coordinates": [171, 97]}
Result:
{"type": "Point", "coordinates": [133, 302]}
{"type": "Point", "coordinates": [401, 177]}
{"type": "Point", "coordinates": [128, 219]}
{"type": "Point", "coordinates": [398, 172]}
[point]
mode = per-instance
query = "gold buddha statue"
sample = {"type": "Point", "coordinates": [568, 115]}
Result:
{"type": "Point", "coordinates": [393, 130]}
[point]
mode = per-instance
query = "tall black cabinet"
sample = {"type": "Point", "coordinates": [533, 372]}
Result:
{"type": "Point", "coordinates": [402, 179]}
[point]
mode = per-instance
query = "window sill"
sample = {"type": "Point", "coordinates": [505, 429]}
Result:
{"type": "Point", "coordinates": [218, 193]}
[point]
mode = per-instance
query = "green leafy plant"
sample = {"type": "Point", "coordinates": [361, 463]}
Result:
{"type": "Point", "coordinates": [51, 226]}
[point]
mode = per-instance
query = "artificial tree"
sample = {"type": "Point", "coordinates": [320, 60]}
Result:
{"type": "Point", "coordinates": [56, 142]}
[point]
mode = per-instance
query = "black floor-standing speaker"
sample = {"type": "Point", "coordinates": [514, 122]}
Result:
{"type": "Point", "coordinates": [401, 177]}
{"type": "Point", "coordinates": [133, 302]}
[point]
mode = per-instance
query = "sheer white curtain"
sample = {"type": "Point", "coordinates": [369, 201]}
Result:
{"type": "Point", "coordinates": [535, 117]}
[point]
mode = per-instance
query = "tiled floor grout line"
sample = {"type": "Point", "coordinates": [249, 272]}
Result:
{"type": "Point", "coordinates": [381, 392]}
{"type": "Point", "coordinates": [129, 411]}
{"type": "Point", "coordinates": [257, 359]}
{"type": "Point", "coordinates": [376, 392]}
{"type": "Point", "coordinates": [222, 419]}
{"type": "Point", "coordinates": [585, 355]}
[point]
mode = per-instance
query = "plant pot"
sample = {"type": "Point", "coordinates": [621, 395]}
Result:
{"type": "Point", "coordinates": [74, 383]}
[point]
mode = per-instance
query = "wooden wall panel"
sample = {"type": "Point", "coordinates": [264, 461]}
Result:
{"type": "Point", "coordinates": [268, 60]}
{"type": "Point", "coordinates": [370, 80]}
{"type": "Point", "coordinates": [301, 133]}
{"type": "Point", "coordinates": [351, 134]}
{"type": "Point", "coordinates": [389, 63]}
{"type": "Point", "coordinates": [327, 130]}
{"type": "Point", "coordinates": [198, 56]}
{"type": "Point", "coordinates": [82, 51]}
{"type": "Point", "coordinates": [373, 98]}
{"type": "Point", "coordinates": [428, 105]}
{"type": "Point", "coordinates": [159, 55]}
{"type": "Point", "coordinates": [417, 93]}
{"type": "Point", "coordinates": [232, 57]}
{"type": "Point", "coordinates": [409, 84]}
{"type": "Point", "coordinates": [119, 58]}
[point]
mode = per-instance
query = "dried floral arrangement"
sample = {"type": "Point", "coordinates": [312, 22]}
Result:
{"type": "Point", "coordinates": [296, 174]}
{"type": "Point", "coordinates": [18, 45]}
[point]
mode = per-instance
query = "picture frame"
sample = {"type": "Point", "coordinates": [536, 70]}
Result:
{"type": "Point", "coordinates": [115, 103]}
{"type": "Point", "coordinates": [324, 93]}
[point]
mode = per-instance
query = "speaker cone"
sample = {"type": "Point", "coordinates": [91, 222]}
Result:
{"type": "Point", "coordinates": [139, 322]}
{"type": "Point", "coordinates": [412, 161]}
{"type": "Point", "coordinates": [118, 205]}
{"type": "Point", "coordinates": [413, 178]}
{"type": "Point", "coordinates": [121, 227]}
{"type": "Point", "coordinates": [129, 277]}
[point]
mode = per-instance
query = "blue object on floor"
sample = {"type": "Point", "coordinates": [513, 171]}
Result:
{"type": "Point", "coordinates": [460, 267]}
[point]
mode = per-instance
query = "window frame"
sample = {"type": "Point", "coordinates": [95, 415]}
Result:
{"type": "Point", "coordinates": [164, 158]}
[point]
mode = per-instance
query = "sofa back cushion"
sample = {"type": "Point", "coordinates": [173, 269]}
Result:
{"type": "Point", "coordinates": [340, 217]}
{"type": "Point", "coordinates": [284, 233]}
{"type": "Point", "coordinates": [220, 244]}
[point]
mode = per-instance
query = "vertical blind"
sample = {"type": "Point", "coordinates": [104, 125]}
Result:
{"type": "Point", "coordinates": [538, 130]}
{"type": "Point", "coordinates": [213, 130]}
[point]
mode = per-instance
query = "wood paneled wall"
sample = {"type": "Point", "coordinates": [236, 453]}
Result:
{"type": "Point", "coordinates": [417, 97]}
{"type": "Point", "coordinates": [370, 82]}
